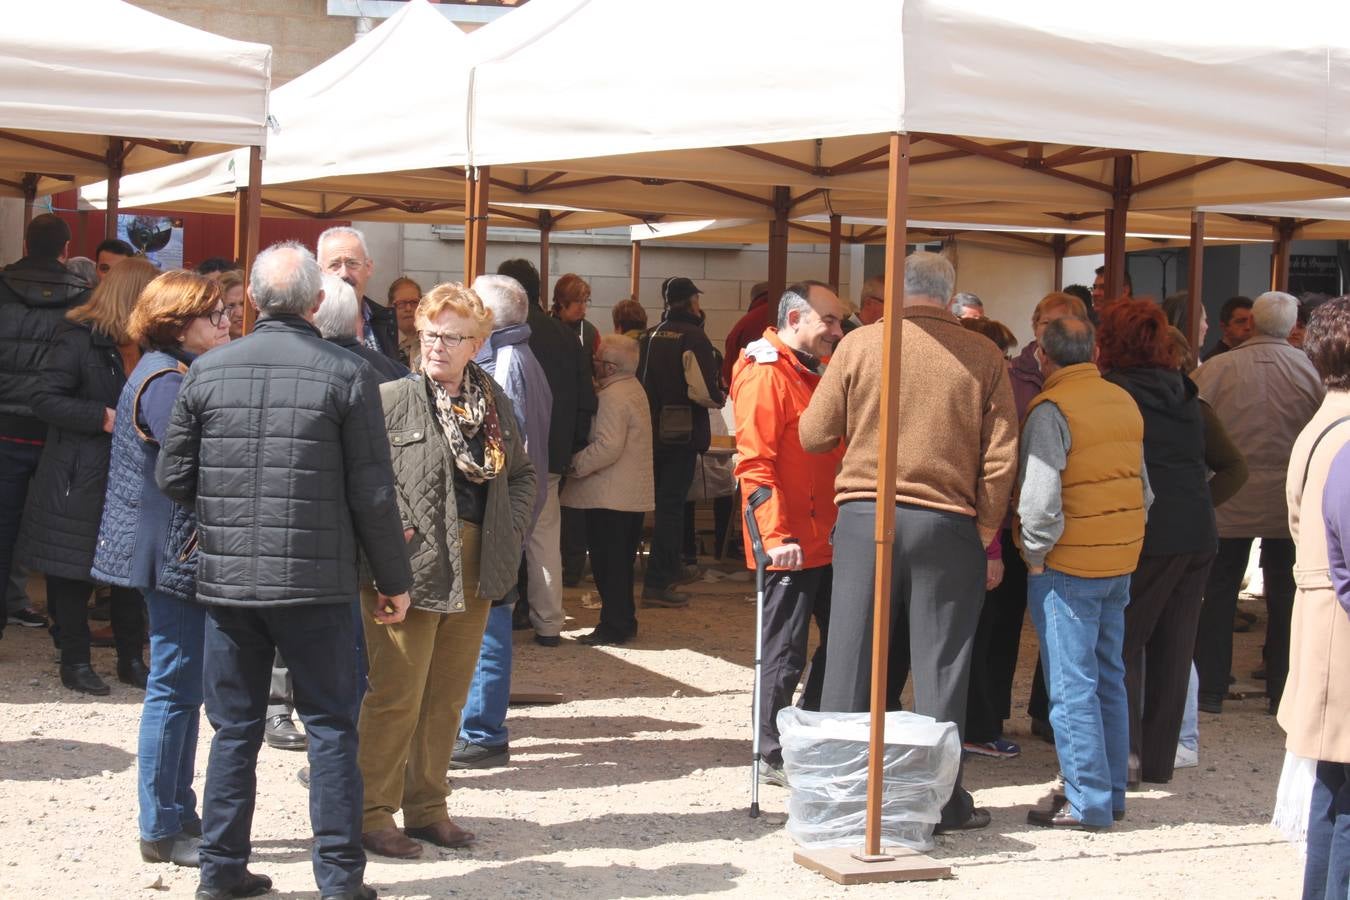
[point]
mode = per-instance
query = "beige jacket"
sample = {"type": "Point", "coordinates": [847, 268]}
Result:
{"type": "Point", "coordinates": [614, 471]}
{"type": "Point", "coordinates": [1264, 392]}
{"type": "Point", "coordinates": [1314, 708]}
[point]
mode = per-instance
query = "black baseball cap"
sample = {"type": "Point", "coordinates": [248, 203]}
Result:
{"type": "Point", "coordinates": [680, 290]}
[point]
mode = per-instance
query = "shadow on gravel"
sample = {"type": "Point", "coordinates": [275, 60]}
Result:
{"type": "Point", "coordinates": [571, 727]}
{"type": "Point", "coordinates": [552, 879]}
{"type": "Point", "coordinates": [604, 764]}
{"type": "Point", "coordinates": [41, 759]}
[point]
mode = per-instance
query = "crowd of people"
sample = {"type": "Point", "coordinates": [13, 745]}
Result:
{"type": "Point", "coordinates": [344, 514]}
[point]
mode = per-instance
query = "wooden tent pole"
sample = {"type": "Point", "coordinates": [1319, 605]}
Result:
{"type": "Point", "coordinates": [1115, 228]}
{"type": "Point", "coordinates": [1195, 283]}
{"type": "Point", "coordinates": [635, 276]}
{"type": "Point", "coordinates": [1279, 268]}
{"type": "Point", "coordinates": [247, 223]}
{"type": "Point", "coordinates": [778, 242]}
{"type": "Point", "coordinates": [475, 223]}
{"type": "Point", "coordinates": [1061, 246]}
{"type": "Point", "coordinates": [114, 187]}
{"type": "Point", "coordinates": [836, 247]}
{"type": "Point", "coordinates": [545, 229]}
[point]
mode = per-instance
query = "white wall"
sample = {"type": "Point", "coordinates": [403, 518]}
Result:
{"type": "Point", "coordinates": [1009, 283]}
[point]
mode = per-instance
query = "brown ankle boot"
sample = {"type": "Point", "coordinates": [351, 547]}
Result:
{"type": "Point", "coordinates": [391, 842]}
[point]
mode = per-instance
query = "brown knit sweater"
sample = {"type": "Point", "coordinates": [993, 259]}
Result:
{"type": "Point", "coordinates": [958, 428]}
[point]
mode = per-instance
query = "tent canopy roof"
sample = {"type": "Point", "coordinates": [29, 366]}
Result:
{"type": "Point", "coordinates": [79, 72]}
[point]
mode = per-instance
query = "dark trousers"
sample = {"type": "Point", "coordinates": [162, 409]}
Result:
{"type": "Point", "coordinates": [614, 545]}
{"type": "Point", "coordinates": [279, 701]}
{"type": "Point", "coordinates": [791, 600]}
{"type": "Point", "coordinates": [68, 606]}
{"type": "Point", "coordinates": [18, 462]}
{"type": "Point", "coordinates": [998, 636]}
{"type": "Point", "coordinates": [721, 507]}
{"type": "Point", "coordinates": [1214, 639]}
{"type": "Point", "coordinates": [1326, 873]}
{"type": "Point", "coordinates": [673, 470]}
{"type": "Point", "coordinates": [574, 544]}
{"type": "Point", "coordinates": [936, 590]}
{"type": "Point", "coordinates": [1160, 622]}
{"type": "Point", "coordinates": [317, 642]}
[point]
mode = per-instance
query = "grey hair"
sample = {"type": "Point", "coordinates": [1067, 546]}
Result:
{"type": "Point", "coordinates": [84, 267]}
{"type": "Point", "coordinates": [621, 350]}
{"type": "Point", "coordinates": [796, 298]}
{"type": "Point", "coordinates": [285, 280]}
{"type": "Point", "coordinates": [343, 231]}
{"type": "Point", "coordinates": [1069, 341]}
{"type": "Point", "coordinates": [929, 275]}
{"type": "Point", "coordinates": [337, 315]}
{"type": "Point", "coordinates": [966, 299]}
{"type": "Point", "coordinates": [506, 298]}
{"type": "Point", "coordinates": [1274, 313]}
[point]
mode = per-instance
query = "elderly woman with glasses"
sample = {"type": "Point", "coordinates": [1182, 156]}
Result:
{"type": "Point", "coordinates": [146, 542]}
{"type": "Point", "coordinates": [466, 491]}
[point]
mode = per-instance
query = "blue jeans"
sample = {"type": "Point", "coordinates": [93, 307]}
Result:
{"type": "Point", "coordinates": [167, 752]}
{"type": "Point", "coordinates": [18, 462]}
{"type": "Point", "coordinates": [1190, 719]}
{"type": "Point", "coordinates": [317, 642]}
{"type": "Point", "coordinates": [1326, 873]}
{"type": "Point", "coordinates": [484, 718]}
{"type": "Point", "coordinates": [1081, 623]}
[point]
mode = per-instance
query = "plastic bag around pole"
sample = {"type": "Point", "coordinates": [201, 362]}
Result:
{"type": "Point", "coordinates": [825, 759]}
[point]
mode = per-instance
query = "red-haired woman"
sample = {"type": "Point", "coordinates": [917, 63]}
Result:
{"type": "Point", "coordinates": [1136, 352]}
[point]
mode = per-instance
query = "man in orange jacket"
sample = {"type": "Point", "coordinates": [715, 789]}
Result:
{"type": "Point", "coordinates": [771, 386]}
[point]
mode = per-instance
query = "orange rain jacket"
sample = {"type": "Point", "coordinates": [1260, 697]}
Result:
{"type": "Point", "coordinates": [770, 389]}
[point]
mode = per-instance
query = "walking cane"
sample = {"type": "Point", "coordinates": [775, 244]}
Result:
{"type": "Point", "coordinates": [760, 495]}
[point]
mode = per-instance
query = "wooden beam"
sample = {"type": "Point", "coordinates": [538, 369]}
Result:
{"type": "Point", "coordinates": [785, 162]}
{"type": "Point", "coordinates": [778, 241]}
{"type": "Point", "coordinates": [836, 248]}
{"type": "Point", "coordinates": [635, 270]}
{"type": "Point", "coordinates": [1060, 245]}
{"type": "Point", "coordinates": [897, 210]}
{"type": "Point", "coordinates": [1115, 228]}
{"type": "Point", "coordinates": [545, 229]}
{"type": "Point", "coordinates": [114, 163]}
{"type": "Point", "coordinates": [54, 148]}
{"type": "Point", "coordinates": [178, 148]}
{"type": "Point", "coordinates": [248, 221]}
{"type": "Point", "coordinates": [1279, 267]}
{"type": "Point", "coordinates": [850, 165]}
{"type": "Point", "coordinates": [1179, 174]}
{"type": "Point", "coordinates": [1302, 171]}
{"type": "Point", "coordinates": [1195, 283]}
{"type": "Point", "coordinates": [998, 154]}
{"type": "Point", "coordinates": [475, 223]}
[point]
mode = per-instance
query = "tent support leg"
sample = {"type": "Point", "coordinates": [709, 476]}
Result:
{"type": "Point", "coordinates": [247, 223]}
{"type": "Point", "coordinates": [1195, 283]}
{"type": "Point", "coordinates": [635, 271]}
{"type": "Point", "coordinates": [115, 158]}
{"type": "Point", "coordinates": [836, 247]}
{"type": "Point", "coordinates": [1279, 264]}
{"type": "Point", "coordinates": [778, 242]}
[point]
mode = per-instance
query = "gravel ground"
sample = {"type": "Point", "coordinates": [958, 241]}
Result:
{"type": "Point", "coordinates": [636, 786]}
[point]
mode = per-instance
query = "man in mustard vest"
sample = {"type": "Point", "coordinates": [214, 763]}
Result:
{"type": "Point", "coordinates": [1083, 498]}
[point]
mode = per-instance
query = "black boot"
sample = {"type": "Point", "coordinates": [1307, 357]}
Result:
{"type": "Point", "coordinates": [180, 849]}
{"type": "Point", "coordinates": [85, 680]}
{"type": "Point", "coordinates": [132, 671]}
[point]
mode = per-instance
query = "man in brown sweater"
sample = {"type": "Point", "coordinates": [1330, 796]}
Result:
{"type": "Point", "coordinates": [956, 460]}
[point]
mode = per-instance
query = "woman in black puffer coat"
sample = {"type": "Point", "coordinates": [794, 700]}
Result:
{"type": "Point", "coordinates": [76, 396]}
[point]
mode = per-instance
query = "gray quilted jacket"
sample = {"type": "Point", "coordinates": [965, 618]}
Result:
{"type": "Point", "coordinates": [424, 471]}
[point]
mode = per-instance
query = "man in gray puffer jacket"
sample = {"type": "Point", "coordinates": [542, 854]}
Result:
{"type": "Point", "coordinates": [279, 442]}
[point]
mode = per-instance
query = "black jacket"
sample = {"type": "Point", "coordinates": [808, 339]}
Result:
{"type": "Point", "coordinates": [34, 297]}
{"type": "Point", "coordinates": [680, 366]}
{"type": "Point", "coordinates": [278, 439]}
{"type": "Point", "coordinates": [383, 325]}
{"type": "Point", "coordinates": [82, 377]}
{"type": "Point", "coordinates": [386, 369]}
{"type": "Point", "coordinates": [567, 367]}
{"type": "Point", "coordinates": [1181, 519]}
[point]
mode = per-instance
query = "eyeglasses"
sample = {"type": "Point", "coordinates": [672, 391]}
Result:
{"type": "Point", "coordinates": [345, 262]}
{"type": "Point", "coordinates": [407, 304]}
{"type": "Point", "coordinates": [215, 317]}
{"type": "Point", "coordinates": [446, 339]}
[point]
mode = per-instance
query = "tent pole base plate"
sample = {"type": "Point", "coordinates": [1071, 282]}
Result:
{"type": "Point", "coordinates": [845, 866]}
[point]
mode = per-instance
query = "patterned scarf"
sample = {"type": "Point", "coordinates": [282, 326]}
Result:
{"type": "Point", "coordinates": [461, 418]}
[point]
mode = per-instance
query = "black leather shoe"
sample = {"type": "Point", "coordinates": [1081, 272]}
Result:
{"type": "Point", "coordinates": [282, 734]}
{"type": "Point", "coordinates": [468, 755]}
{"type": "Point", "coordinates": [84, 679]}
{"type": "Point", "coordinates": [979, 818]}
{"type": "Point", "coordinates": [133, 672]}
{"type": "Point", "coordinates": [249, 886]}
{"type": "Point", "coordinates": [1060, 818]}
{"type": "Point", "coordinates": [547, 640]}
{"type": "Point", "coordinates": [1209, 703]}
{"type": "Point", "coordinates": [364, 892]}
{"type": "Point", "coordinates": [598, 638]}
{"type": "Point", "coordinates": [181, 850]}
{"type": "Point", "coordinates": [302, 776]}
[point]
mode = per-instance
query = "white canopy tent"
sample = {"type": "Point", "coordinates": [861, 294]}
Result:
{"type": "Point", "coordinates": [95, 88]}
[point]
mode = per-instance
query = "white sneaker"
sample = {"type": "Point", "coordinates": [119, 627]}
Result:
{"type": "Point", "coordinates": [1186, 758]}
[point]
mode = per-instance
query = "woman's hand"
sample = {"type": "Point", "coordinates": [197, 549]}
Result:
{"type": "Point", "coordinates": [109, 419]}
{"type": "Point", "coordinates": [993, 574]}
{"type": "Point", "coordinates": [408, 534]}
